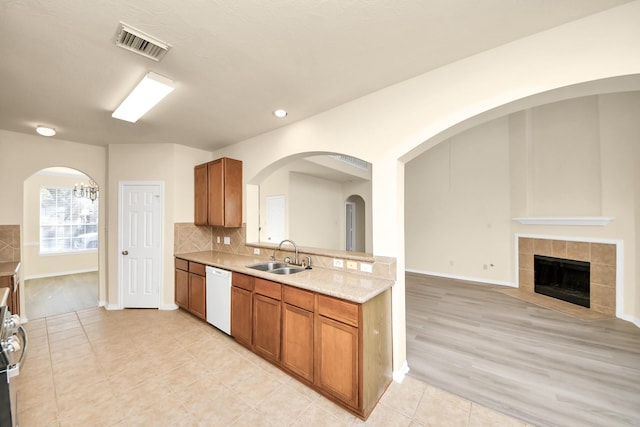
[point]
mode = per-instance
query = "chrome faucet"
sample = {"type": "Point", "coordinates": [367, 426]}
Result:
{"type": "Point", "coordinates": [296, 261]}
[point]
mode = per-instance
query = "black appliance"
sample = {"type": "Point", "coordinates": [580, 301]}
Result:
{"type": "Point", "coordinates": [13, 348]}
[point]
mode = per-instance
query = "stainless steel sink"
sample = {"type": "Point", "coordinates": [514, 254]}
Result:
{"type": "Point", "coordinates": [287, 270]}
{"type": "Point", "coordinates": [267, 266]}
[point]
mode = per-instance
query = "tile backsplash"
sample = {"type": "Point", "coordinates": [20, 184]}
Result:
{"type": "Point", "coordinates": [9, 243]}
{"type": "Point", "coordinates": [194, 238]}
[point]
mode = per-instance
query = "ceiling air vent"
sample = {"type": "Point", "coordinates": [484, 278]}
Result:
{"type": "Point", "coordinates": [136, 41]}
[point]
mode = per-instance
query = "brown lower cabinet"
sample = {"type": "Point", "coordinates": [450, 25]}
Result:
{"type": "Point", "coordinates": [339, 348]}
{"type": "Point", "coordinates": [13, 283]}
{"type": "Point", "coordinates": [190, 287]}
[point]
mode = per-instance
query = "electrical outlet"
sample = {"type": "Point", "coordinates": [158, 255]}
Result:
{"type": "Point", "coordinates": [338, 263]}
{"type": "Point", "coordinates": [217, 239]}
{"type": "Point", "coordinates": [366, 268]}
{"type": "Point", "coordinates": [352, 265]}
{"type": "Point", "coordinates": [227, 240]}
{"type": "Point", "coordinates": [256, 251]}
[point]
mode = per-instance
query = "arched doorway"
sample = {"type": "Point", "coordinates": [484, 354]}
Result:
{"type": "Point", "coordinates": [60, 232]}
{"type": "Point", "coordinates": [355, 240]}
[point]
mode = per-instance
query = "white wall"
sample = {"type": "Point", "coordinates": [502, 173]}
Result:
{"type": "Point", "coordinates": [572, 158]}
{"type": "Point", "coordinates": [396, 124]}
{"type": "Point", "coordinates": [22, 155]}
{"type": "Point", "coordinates": [386, 128]}
{"type": "Point", "coordinates": [457, 206]}
{"type": "Point", "coordinates": [166, 163]}
{"type": "Point", "coordinates": [315, 206]}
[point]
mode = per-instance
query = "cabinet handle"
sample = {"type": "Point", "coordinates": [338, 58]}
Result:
{"type": "Point", "coordinates": [125, 252]}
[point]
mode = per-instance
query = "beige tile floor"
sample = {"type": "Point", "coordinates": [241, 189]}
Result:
{"type": "Point", "coordinates": [166, 368]}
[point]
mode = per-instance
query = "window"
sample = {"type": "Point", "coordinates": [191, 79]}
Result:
{"type": "Point", "coordinates": [67, 223]}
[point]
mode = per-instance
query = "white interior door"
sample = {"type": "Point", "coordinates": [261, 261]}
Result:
{"type": "Point", "coordinates": [140, 244]}
{"type": "Point", "coordinates": [275, 219]}
{"type": "Point", "coordinates": [350, 223]}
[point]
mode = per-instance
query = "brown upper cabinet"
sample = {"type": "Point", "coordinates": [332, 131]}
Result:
{"type": "Point", "coordinates": [218, 193]}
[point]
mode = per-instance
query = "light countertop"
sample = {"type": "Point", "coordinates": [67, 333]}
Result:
{"type": "Point", "coordinates": [9, 268]}
{"type": "Point", "coordinates": [358, 288]}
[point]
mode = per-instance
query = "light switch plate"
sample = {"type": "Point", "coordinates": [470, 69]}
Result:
{"type": "Point", "coordinates": [338, 263]}
{"type": "Point", "coordinates": [352, 265]}
{"type": "Point", "coordinates": [256, 251]}
{"type": "Point", "coordinates": [217, 239]}
{"type": "Point", "coordinates": [227, 240]}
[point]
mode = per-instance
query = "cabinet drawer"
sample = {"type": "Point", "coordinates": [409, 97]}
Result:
{"type": "Point", "coordinates": [242, 281]}
{"type": "Point", "coordinates": [182, 264]}
{"type": "Point", "coordinates": [342, 311]}
{"type": "Point", "coordinates": [268, 289]}
{"type": "Point", "coordinates": [197, 268]}
{"type": "Point", "coordinates": [298, 297]}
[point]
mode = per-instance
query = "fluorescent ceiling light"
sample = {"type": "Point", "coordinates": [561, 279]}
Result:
{"type": "Point", "coordinates": [151, 90]}
{"type": "Point", "coordinates": [45, 131]}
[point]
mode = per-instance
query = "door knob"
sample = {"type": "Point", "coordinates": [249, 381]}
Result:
{"type": "Point", "coordinates": [125, 252]}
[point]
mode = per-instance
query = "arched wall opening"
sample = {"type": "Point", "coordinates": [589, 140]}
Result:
{"type": "Point", "coordinates": [60, 258]}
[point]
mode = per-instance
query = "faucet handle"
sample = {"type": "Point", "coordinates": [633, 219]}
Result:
{"type": "Point", "coordinates": [308, 267]}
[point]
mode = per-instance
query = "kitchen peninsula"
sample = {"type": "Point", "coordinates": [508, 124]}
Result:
{"type": "Point", "coordinates": [329, 329]}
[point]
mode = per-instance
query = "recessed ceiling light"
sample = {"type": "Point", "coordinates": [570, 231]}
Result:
{"type": "Point", "coordinates": [280, 113]}
{"type": "Point", "coordinates": [45, 131]}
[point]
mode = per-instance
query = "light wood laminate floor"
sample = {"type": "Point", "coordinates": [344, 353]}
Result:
{"type": "Point", "coordinates": [524, 360]}
{"type": "Point", "coordinates": [51, 296]}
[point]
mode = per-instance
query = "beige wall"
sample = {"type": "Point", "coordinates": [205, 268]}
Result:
{"type": "Point", "coordinates": [386, 128]}
{"type": "Point", "coordinates": [22, 155]}
{"type": "Point", "coordinates": [457, 216]}
{"type": "Point", "coordinates": [169, 164]}
{"type": "Point", "coordinates": [34, 264]}
{"type": "Point", "coordinates": [396, 124]}
{"type": "Point", "coordinates": [572, 158]}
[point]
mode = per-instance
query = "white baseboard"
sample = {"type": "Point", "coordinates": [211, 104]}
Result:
{"type": "Point", "coordinates": [62, 273]}
{"type": "Point", "coordinates": [398, 376]}
{"type": "Point", "coordinates": [168, 307]}
{"type": "Point", "coordinates": [633, 319]}
{"type": "Point", "coordinates": [465, 278]}
{"type": "Point", "coordinates": [102, 303]}
{"type": "Point", "coordinates": [112, 307]}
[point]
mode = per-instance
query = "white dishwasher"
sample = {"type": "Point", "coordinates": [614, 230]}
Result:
{"type": "Point", "coordinates": [219, 298]}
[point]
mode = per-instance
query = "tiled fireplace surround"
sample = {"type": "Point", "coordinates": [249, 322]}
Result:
{"type": "Point", "coordinates": [602, 257]}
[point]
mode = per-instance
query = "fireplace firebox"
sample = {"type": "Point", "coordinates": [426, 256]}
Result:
{"type": "Point", "coordinates": [565, 279]}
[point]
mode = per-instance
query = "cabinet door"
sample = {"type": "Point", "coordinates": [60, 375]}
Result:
{"type": "Point", "coordinates": [215, 174]}
{"type": "Point", "coordinates": [182, 289]}
{"type": "Point", "coordinates": [201, 196]}
{"type": "Point", "coordinates": [336, 350]}
{"type": "Point", "coordinates": [197, 295]}
{"type": "Point", "coordinates": [15, 282]}
{"type": "Point", "coordinates": [266, 327]}
{"type": "Point", "coordinates": [232, 193]}
{"type": "Point", "coordinates": [297, 341]}
{"type": "Point", "coordinates": [241, 315]}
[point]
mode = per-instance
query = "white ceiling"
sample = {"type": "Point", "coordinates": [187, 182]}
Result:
{"type": "Point", "coordinates": [235, 61]}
